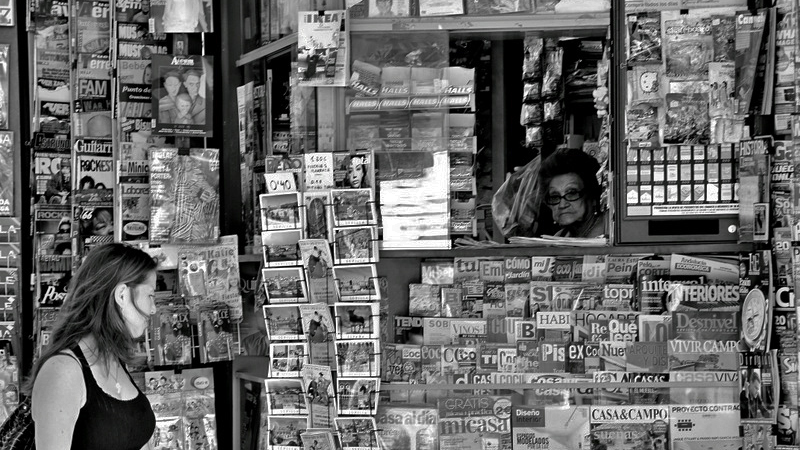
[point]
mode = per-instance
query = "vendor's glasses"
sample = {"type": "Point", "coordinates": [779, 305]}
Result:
{"type": "Point", "coordinates": [570, 196]}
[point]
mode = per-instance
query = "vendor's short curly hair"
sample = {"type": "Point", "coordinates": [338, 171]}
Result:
{"type": "Point", "coordinates": [564, 161]}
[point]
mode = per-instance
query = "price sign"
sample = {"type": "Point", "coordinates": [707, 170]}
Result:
{"type": "Point", "coordinates": [280, 182]}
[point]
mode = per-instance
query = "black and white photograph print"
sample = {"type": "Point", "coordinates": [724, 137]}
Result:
{"type": "Point", "coordinates": [353, 207]}
{"type": "Point", "coordinates": [280, 248]}
{"type": "Point", "coordinates": [357, 433]}
{"type": "Point", "coordinates": [358, 396]}
{"type": "Point", "coordinates": [285, 397]}
{"type": "Point", "coordinates": [357, 320]}
{"type": "Point", "coordinates": [286, 360]}
{"type": "Point", "coordinates": [358, 358]}
{"type": "Point", "coordinates": [284, 432]}
{"type": "Point", "coordinates": [280, 211]}
{"type": "Point", "coordinates": [182, 95]}
{"type": "Point", "coordinates": [355, 245]}
{"type": "Point", "coordinates": [283, 322]}
{"type": "Point", "coordinates": [181, 16]}
{"type": "Point", "coordinates": [284, 285]}
{"type": "Point", "coordinates": [357, 282]}
{"type": "Point", "coordinates": [317, 212]}
{"type": "Point", "coordinates": [317, 322]}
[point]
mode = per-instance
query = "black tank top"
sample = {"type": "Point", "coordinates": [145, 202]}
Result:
{"type": "Point", "coordinates": [105, 422]}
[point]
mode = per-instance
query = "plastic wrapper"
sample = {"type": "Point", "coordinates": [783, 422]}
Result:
{"type": "Point", "coordinates": [216, 336]}
{"type": "Point", "coordinates": [515, 205]}
{"type": "Point", "coordinates": [365, 78]}
{"type": "Point", "coordinates": [688, 48]}
{"type": "Point", "coordinates": [645, 84]}
{"type": "Point", "coordinates": [534, 137]}
{"type": "Point", "coordinates": [642, 126]}
{"type": "Point", "coordinates": [686, 119]}
{"type": "Point", "coordinates": [531, 91]}
{"type": "Point", "coordinates": [553, 68]}
{"type": "Point", "coordinates": [644, 38]}
{"type": "Point", "coordinates": [172, 336]}
{"type": "Point", "coordinates": [168, 434]}
{"type": "Point", "coordinates": [531, 114]}
{"type": "Point", "coordinates": [532, 61]}
{"type": "Point", "coordinates": [723, 30]}
{"type": "Point", "coordinates": [553, 111]}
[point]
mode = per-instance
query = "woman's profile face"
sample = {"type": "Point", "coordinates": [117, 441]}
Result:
{"type": "Point", "coordinates": [566, 212]}
{"type": "Point", "coordinates": [355, 172]}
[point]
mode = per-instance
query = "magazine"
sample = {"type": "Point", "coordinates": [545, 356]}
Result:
{"type": "Point", "coordinates": [171, 16]}
{"type": "Point", "coordinates": [318, 37]}
{"type": "Point", "coordinates": [196, 208]}
{"type": "Point", "coordinates": [183, 95]}
{"type": "Point", "coordinates": [706, 356]}
{"type": "Point", "coordinates": [163, 164]}
{"type": "Point", "coordinates": [7, 13]}
{"type": "Point", "coordinates": [750, 33]}
{"type": "Point", "coordinates": [720, 387]}
{"type": "Point", "coordinates": [614, 426]}
{"type": "Point", "coordinates": [408, 427]}
{"type": "Point", "coordinates": [92, 26]}
{"type": "Point", "coordinates": [285, 397]}
{"type": "Point", "coordinates": [7, 172]}
{"type": "Point", "coordinates": [135, 211]}
{"type": "Point", "coordinates": [459, 416]}
{"type": "Point", "coordinates": [754, 170]}
{"type": "Point", "coordinates": [95, 173]}
{"type": "Point", "coordinates": [756, 300]}
{"type": "Point", "coordinates": [710, 426]}
{"type": "Point", "coordinates": [759, 390]}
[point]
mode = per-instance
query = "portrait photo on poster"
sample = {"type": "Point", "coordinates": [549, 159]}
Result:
{"type": "Point", "coordinates": [560, 194]}
{"type": "Point", "coordinates": [181, 16]}
{"type": "Point", "coordinates": [182, 95]}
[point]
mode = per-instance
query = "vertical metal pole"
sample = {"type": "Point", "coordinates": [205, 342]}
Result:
{"type": "Point", "coordinates": [617, 99]}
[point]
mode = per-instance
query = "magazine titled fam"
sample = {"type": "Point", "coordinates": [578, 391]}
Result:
{"type": "Point", "coordinates": [182, 95]}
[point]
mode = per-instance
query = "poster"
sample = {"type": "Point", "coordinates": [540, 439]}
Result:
{"type": "Point", "coordinates": [183, 95]}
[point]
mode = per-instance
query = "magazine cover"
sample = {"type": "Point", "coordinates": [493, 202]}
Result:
{"type": "Point", "coordinates": [550, 427]}
{"type": "Point", "coordinates": [687, 119]}
{"type": "Point", "coordinates": [358, 396]}
{"type": "Point", "coordinates": [92, 26]}
{"type": "Point", "coordinates": [135, 211]}
{"type": "Point", "coordinates": [750, 28]}
{"type": "Point", "coordinates": [357, 433]}
{"type": "Point", "coordinates": [318, 263]}
{"type": "Point", "coordinates": [459, 417]}
{"type": "Point", "coordinates": [283, 322]}
{"type": "Point", "coordinates": [754, 171]}
{"type": "Point", "coordinates": [7, 13]}
{"type": "Point", "coordinates": [183, 95]}
{"type": "Point", "coordinates": [407, 427]}
{"type": "Point", "coordinates": [95, 172]}
{"type": "Point", "coordinates": [758, 396]}
{"type": "Point", "coordinates": [196, 182]}
{"type": "Point", "coordinates": [319, 389]}
{"type": "Point", "coordinates": [284, 285]}
{"type": "Point", "coordinates": [287, 360]}
{"type": "Point", "coordinates": [717, 387]}
{"type": "Point", "coordinates": [756, 296]}
{"type": "Point", "coordinates": [163, 164]}
{"type": "Point", "coordinates": [317, 46]}
{"type": "Point", "coordinates": [710, 427]}
{"type": "Point", "coordinates": [357, 320]}
{"type": "Point", "coordinates": [354, 170]}
{"type": "Point", "coordinates": [284, 432]}
{"type": "Point", "coordinates": [357, 282]}
{"type": "Point", "coordinates": [688, 48]}
{"type": "Point", "coordinates": [7, 171]}
{"type": "Point", "coordinates": [702, 356]}
{"type": "Point", "coordinates": [613, 427]}
{"type": "Point", "coordinates": [358, 358]}
{"type": "Point", "coordinates": [181, 16]}
{"type": "Point", "coordinates": [285, 397]}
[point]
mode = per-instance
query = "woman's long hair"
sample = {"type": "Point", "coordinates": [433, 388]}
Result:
{"type": "Point", "coordinates": [90, 309]}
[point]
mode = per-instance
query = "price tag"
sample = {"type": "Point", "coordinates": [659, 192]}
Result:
{"type": "Point", "coordinates": [280, 182]}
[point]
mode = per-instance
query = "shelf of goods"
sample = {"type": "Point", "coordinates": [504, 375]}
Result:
{"type": "Point", "coordinates": [563, 23]}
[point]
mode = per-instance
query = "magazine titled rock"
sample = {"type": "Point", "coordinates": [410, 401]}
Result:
{"type": "Point", "coordinates": [319, 388]}
{"type": "Point", "coordinates": [281, 211]}
{"type": "Point", "coordinates": [283, 322]}
{"type": "Point", "coordinates": [357, 433]}
{"type": "Point", "coordinates": [318, 325]}
{"type": "Point", "coordinates": [357, 282]}
{"type": "Point", "coordinates": [713, 426]}
{"type": "Point", "coordinates": [280, 248]}
{"type": "Point", "coordinates": [181, 16]}
{"type": "Point", "coordinates": [317, 46]}
{"type": "Point", "coordinates": [286, 397]}
{"type": "Point", "coordinates": [358, 396]}
{"type": "Point", "coordinates": [353, 207]}
{"type": "Point", "coordinates": [284, 285]}
{"type": "Point", "coordinates": [355, 245]}
{"type": "Point", "coordinates": [550, 427]}
{"type": "Point", "coordinates": [317, 214]}
{"type": "Point", "coordinates": [95, 172]}
{"type": "Point", "coordinates": [7, 173]}
{"type": "Point", "coordinates": [617, 426]}
{"type": "Point", "coordinates": [318, 439]}
{"type": "Point", "coordinates": [357, 320]}
{"type": "Point", "coordinates": [284, 432]}
{"type": "Point", "coordinates": [358, 358]}
{"type": "Point", "coordinates": [182, 95]}
{"type": "Point", "coordinates": [318, 263]}
{"type": "Point", "coordinates": [287, 360]}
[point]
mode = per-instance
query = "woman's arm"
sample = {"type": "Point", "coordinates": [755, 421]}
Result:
{"type": "Point", "coordinates": [59, 393]}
